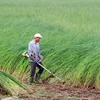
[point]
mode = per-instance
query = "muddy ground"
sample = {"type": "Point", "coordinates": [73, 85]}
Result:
{"type": "Point", "coordinates": [56, 91]}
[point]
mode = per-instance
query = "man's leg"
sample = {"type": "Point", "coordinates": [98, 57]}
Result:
{"type": "Point", "coordinates": [38, 74]}
{"type": "Point", "coordinates": [32, 72]}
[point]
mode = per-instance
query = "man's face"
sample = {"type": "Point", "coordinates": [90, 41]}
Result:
{"type": "Point", "coordinates": [37, 39]}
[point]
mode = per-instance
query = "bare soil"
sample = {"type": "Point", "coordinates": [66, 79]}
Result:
{"type": "Point", "coordinates": [58, 91]}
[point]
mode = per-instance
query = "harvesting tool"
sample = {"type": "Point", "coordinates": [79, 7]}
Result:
{"type": "Point", "coordinates": [25, 54]}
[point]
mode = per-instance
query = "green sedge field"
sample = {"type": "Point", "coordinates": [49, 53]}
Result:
{"type": "Point", "coordinates": [70, 44]}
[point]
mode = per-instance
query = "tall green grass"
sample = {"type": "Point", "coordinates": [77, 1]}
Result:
{"type": "Point", "coordinates": [11, 85]}
{"type": "Point", "coordinates": [71, 43]}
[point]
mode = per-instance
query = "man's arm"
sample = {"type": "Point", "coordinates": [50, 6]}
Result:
{"type": "Point", "coordinates": [30, 50]}
{"type": "Point", "coordinates": [41, 57]}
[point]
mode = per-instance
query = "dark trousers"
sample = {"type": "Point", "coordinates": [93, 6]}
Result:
{"type": "Point", "coordinates": [33, 66]}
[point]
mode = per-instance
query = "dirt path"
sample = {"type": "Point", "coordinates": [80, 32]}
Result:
{"type": "Point", "coordinates": [57, 91]}
{"type": "Point", "coordinates": [60, 92]}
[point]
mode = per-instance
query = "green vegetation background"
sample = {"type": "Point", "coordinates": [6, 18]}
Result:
{"type": "Point", "coordinates": [71, 38]}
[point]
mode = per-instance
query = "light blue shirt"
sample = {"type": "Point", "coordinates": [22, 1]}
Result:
{"type": "Point", "coordinates": [33, 48]}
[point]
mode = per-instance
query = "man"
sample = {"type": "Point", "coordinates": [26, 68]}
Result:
{"type": "Point", "coordinates": [34, 53]}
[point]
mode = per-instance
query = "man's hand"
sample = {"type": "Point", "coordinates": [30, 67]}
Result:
{"type": "Point", "coordinates": [33, 54]}
{"type": "Point", "coordinates": [42, 57]}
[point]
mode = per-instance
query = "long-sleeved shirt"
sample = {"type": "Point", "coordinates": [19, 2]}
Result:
{"type": "Point", "coordinates": [33, 48]}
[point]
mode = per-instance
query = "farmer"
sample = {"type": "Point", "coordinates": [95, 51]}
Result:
{"type": "Point", "coordinates": [34, 52]}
